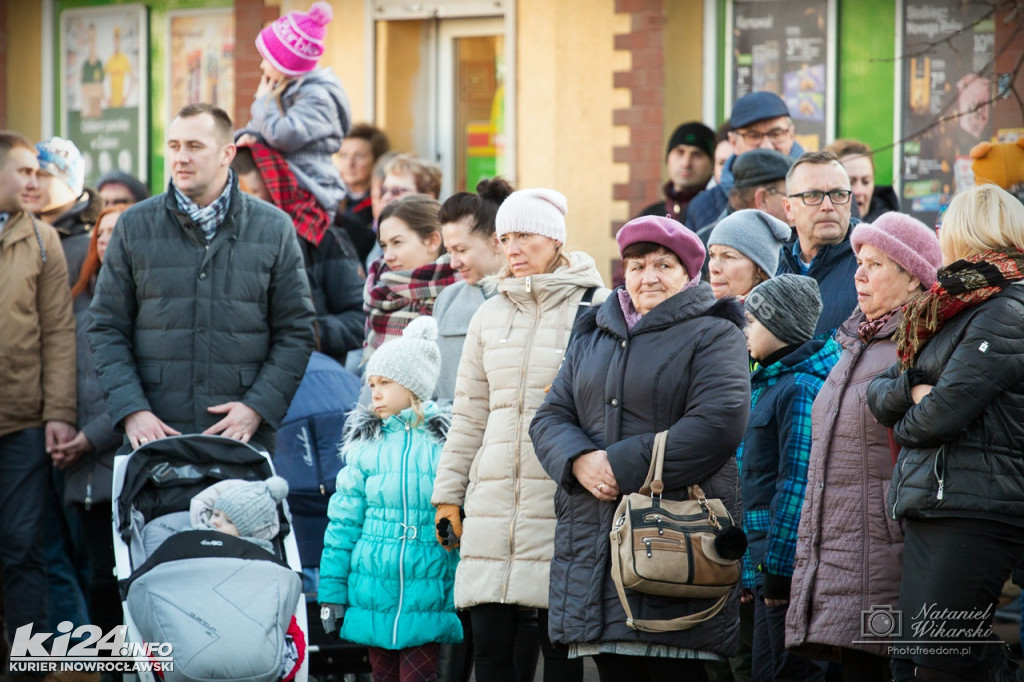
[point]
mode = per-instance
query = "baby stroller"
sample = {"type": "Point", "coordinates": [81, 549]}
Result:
{"type": "Point", "coordinates": [224, 604]}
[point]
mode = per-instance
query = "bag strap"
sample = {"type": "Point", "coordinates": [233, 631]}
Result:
{"type": "Point", "coordinates": [653, 484]}
{"type": "Point", "coordinates": [675, 624]}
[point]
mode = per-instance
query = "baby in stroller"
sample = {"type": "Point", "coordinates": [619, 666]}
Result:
{"type": "Point", "coordinates": [207, 561]}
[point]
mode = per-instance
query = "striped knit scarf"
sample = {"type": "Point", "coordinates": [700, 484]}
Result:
{"type": "Point", "coordinates": [394, 299]}
{"type": "Point", "coordinates": [959, 286]}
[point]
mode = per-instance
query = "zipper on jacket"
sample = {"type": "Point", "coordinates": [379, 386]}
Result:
{"type": "Point", "coordinates": [517, 451]}
{"type": "Point", "coordinates": [899, 486]}
{"type": "Point", "coordinates": [940, 477]}
{"type": "Point", "coordinates": [405, 535]}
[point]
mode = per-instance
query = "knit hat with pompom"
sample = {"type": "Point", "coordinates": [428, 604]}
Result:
{"type": "Point", "coordinates": [294, 43]}
{"type": "Point", "coordinates": [252, 507]}
{"type": "Point", "coordinates": [413, 360]}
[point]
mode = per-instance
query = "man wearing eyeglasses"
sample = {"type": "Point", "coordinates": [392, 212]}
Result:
{"type": "Point", "coordinates": [760, 120]}
{"type": "Point", "coordinates": [817, 204]}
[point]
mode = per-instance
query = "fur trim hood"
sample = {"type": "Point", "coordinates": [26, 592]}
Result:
{"type": "Point", "coordinates": [362, 425]}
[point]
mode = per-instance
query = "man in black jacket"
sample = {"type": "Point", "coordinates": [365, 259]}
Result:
{"type": "Point", "coordinates": [202, 318]}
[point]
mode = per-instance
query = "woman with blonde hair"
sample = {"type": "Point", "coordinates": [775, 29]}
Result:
{"type": "Point", "coordinates": [955, 401]}
{"type": "Point", "coordinates": [488, 471]}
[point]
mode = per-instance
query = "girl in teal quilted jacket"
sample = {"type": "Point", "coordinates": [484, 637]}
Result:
{"type": "Point", "coordinates": [383, 576]}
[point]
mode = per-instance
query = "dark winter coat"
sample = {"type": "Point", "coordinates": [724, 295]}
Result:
{"type": "Point", "coordinates": [883, 200]}
{"type": "Point", "coordinates": [180, 324]}
{"type": "Point", "coordinates": [337, 288]}
{"type": "Point", "coordinates": [963, 444]}
{"type": "Point", "coordinates": [833, 269]}
{"type": "Point", "coordinates": [774, 456]}
{"type": "Point", "coordinates": [90, 479]}
{"type": "Point", "coordinates": [73, 228]}
{"type": "Point", "coordinates": [682, 367]}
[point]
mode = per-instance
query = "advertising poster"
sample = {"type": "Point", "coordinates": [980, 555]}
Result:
{"type": "Point", "coordinates": [946, 101]}
{"type": "Point", "coordinates": [103, 71]}
{"type": "Point", "coordinates": [780, 46]}
{"type": "Point", "coordinates": [201, 59]}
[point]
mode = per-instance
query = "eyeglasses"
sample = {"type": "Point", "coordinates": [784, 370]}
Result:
{"type": "Point", "coordinates": [754, 137]}
{"type": "Point", "coordinates": [395, 191]}
{"type": "Point", "coordinates": [816, 196]}
{"type": "Point", "coordinates": [774, 190]}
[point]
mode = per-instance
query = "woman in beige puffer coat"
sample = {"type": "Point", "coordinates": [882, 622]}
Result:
{"type": "Point", "coordinates": [514, 347]}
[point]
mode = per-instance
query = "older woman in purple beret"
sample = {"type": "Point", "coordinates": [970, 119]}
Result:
{"type": "Point", "coordinates": [661, 353]}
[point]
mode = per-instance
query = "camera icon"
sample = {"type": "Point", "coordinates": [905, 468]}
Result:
{"type": "Point", "coordinates": [881, 622]}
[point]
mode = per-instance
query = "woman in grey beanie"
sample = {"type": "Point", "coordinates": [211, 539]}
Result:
{"type": "Point", "coordinates": [743, 251]}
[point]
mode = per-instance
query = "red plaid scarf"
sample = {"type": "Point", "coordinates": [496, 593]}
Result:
{"type": "Point", "coordinates": [394, 299]}
{"type": "Point", "coordinates": [311, 221]}
{"type": "Point", "coordinates": [960, 285]}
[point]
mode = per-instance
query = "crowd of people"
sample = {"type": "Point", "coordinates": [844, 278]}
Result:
{"type": "Point", "coordinates": [846, 380]}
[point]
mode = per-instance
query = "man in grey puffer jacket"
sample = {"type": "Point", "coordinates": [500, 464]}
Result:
{"type": "Point", "coordinates": [202, 318]}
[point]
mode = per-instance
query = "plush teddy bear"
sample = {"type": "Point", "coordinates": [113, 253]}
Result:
{"type": "Point", "coordinates": [1001, 164]}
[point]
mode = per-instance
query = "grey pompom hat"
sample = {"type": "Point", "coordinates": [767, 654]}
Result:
{"type": "Point", "coordinates": [252, 507]}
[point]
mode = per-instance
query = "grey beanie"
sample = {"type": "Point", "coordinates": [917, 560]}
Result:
{"type": "Point", "coordinates": [413, 360]}
{"type": "Point", "coordinates": [788, 306]}
{"type": "Point", "coordinates": [252, 507]}
{"type": "Point", "coordinates": [756, 234]}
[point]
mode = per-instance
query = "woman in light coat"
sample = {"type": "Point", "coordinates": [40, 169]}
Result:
{"type": "Point", "coordinates": [849, 554]}
{"type": "Point", "coordinates": [514, 346]}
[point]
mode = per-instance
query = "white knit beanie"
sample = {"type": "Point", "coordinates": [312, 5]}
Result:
{"type": "Point", "coordinates": [413, 360]}
{"type": "Point", "coordinates": [537, 211]}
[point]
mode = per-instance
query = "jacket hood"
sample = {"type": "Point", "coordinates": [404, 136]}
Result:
{"type": "Point", "coordinates": [687, 304]}
{"type": "Point", "coordinates": [81, 215]}
{"type": "Point", "coordinates": [816, 357]}
{"type": "Point", "coordinates": [551, 288]}
{"type": "Point", "coordinates": [325, 78]}
{"type": "Point", "coordinates": [362, 425]}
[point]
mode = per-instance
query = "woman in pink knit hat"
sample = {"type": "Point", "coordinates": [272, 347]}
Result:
{"type": "Point", "coordinates": [300, 110]}
{"type": "Point", "coordinates": [849, 554]}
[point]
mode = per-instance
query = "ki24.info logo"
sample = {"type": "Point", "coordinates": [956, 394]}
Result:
{"type": "Point", "coordinates": [86, 649]}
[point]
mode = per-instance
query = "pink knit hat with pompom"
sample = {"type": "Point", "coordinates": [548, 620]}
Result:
{"type": "Point", "coordinates": [905, 240]}
{"type": "Point", "coordinates": [294, 42]}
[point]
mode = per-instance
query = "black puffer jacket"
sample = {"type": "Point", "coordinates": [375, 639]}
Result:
{"type": "Point", "coordinates": [180, 324]}
{"type": "Point", "coordinates": [682, 367]}
{"type": "Point", "coordinates": [963, 444]}
{"type": "Point", "coordinates": [337, 287]}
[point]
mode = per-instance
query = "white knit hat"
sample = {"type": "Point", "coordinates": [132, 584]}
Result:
{"type": "Point", "coordinates": [537, 211]}
{"type": "Point", "coordinates": [413, 360]}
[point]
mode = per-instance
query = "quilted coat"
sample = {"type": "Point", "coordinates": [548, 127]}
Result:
{"type": "Point", "coordinates": [849, 554]}
{"type": "Point", "coordinates": [381, 559]}
{"type": "Point", "coordinates": [37, 328]}
{"type": "Point", "coordinates": [962, 444]}
{"type": "Point", "coordinates": [180, 324]}
{"type": "Point", "coordinates": [514, 346]}
{"type": "Point", "coordinates": [682, 367]}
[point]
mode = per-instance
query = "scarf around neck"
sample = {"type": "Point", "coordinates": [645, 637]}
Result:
{"type": "Point", "coordinates": [959, 286]}
{"type": "Point", "coordinates": [393, 299]}
{"type": "Point", "coordinates": [310, 220]}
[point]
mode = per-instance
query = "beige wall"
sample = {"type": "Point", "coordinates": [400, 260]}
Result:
{"type": "Point", "coordinates": [684, 68]}
{"type": "Point", "coordinates": [347, 49]}
{"type": "Point", "coordinates": [564, 108]}
{"type": "Point", "coordinates": [24, 83]}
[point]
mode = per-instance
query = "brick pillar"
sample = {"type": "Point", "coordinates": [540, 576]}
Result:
{"type": "Point", "coordinates": [250, 18]}
{"type": "Point", "coordinates": [643, 155]}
